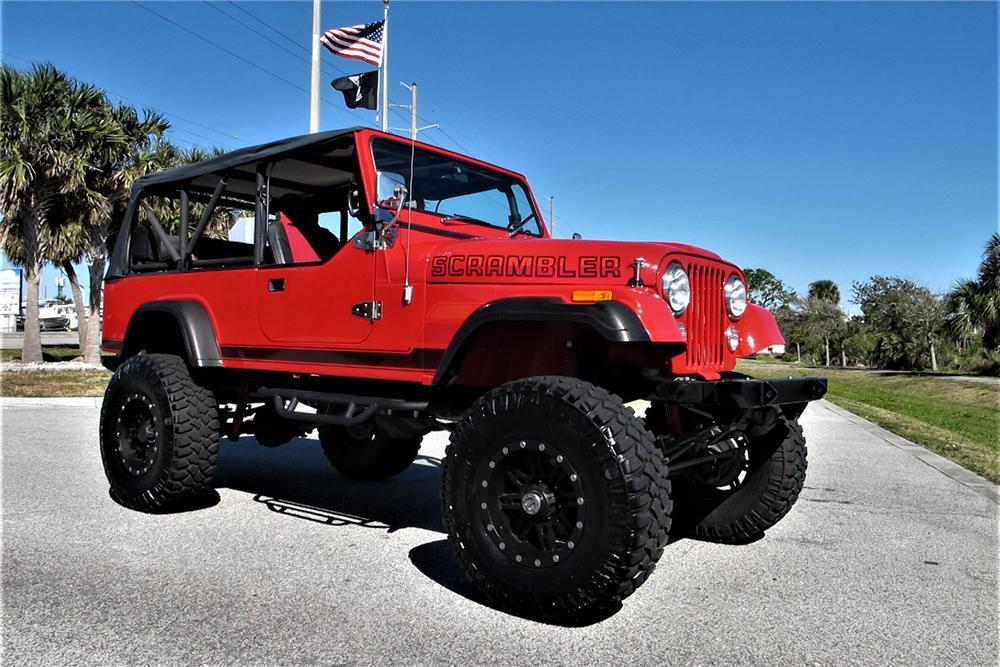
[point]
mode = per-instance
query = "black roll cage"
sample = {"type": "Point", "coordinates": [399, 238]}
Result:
{"type": "Point", "coordinates": [230, 168]}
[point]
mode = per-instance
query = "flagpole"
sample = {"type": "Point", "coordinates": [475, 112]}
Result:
{"type": "Point", "coordinates": [314, 92]}
{"type": "Point", "coordinates": [385, 66]}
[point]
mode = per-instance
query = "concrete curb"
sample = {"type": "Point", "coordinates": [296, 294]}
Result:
{"type": "Point", "coordinates": [980, 485]}
{"type": "Point", "coordinates": [62, 402]}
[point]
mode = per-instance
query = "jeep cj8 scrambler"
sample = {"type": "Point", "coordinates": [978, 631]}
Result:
{"type": "Point", "coordinates": [376, 289]}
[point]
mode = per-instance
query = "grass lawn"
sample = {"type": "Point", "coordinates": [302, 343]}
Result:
{"type": "Point", "coordinates": [54, 383]}
{"type": "Point", "coordinates": [959, 420]}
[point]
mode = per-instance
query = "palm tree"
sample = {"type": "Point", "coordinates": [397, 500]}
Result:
{"type": "Point", "coordinates": [973, 306]}
{"type": "Point", "coordinates": [137, 152]}
{"type": "Point", "coordinates": [824, 300]}
{"type": "Point", "coordinates": [64, 243]}
{"type": "Point", "coordinates": [825, 290]}
{"type": "Point", "coordinates": [48, 130]}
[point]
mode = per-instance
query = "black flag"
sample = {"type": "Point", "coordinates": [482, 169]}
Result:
{"type": "Point", "coordinates": [360, 90]}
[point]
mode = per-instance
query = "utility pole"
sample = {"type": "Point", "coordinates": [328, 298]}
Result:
{"type": "Point", "coordinates": [314, 92]}
{"type": "Point", "coordinates": [552, 217]}
{"type": "Point", "coordinates": [412, 106]}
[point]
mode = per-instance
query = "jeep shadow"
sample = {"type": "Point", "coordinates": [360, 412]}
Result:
{"type": "Point", "coordinates": [298, 481]}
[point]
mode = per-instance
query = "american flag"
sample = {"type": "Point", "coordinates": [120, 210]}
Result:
{"type": "Point", "coordinates": [361, 42]}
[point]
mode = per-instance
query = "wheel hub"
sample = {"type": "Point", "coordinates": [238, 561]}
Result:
{"type": "Point", "coordinates": [137, 434]}
{"type": "Point", "coordinates": [536, 501]}
{"type": "Point", "coordinates": [532, 503]}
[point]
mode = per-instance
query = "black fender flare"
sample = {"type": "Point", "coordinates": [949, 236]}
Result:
{"type": "Point", "coordinates": [197, 332]}
{"type": "Point", "coordinates": [613, 320]}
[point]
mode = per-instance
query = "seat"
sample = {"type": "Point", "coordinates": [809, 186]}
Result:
{"type": "Point", "coordinates": [309, 242]}
{"type": "Point", "coordinates": [281, 251]}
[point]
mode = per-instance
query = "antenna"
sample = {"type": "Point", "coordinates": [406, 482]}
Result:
{"type": "Point", "coordinates": [412, 107]}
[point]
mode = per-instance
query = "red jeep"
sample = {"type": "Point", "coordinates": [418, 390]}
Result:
{"type": "Point", "coordinates": [384, 288]}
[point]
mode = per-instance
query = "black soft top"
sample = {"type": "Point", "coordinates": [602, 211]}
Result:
{"type": "Point", "coordinates": [241, 158]}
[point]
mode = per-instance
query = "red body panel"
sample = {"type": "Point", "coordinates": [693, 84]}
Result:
{"type": "Point", "coordinates": [308, 327]}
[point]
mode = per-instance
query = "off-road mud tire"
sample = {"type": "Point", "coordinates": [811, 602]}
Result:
{"type": "Point", "coordinates": [367, 453]}
{"type": "Point", "coordinates": [777, 472]}
{"type": "Point", "coordinates": [624, 481]}
{"type": "Point", "coordinates": [185, 420]}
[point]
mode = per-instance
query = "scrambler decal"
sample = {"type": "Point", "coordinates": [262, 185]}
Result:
{"type": "Point", "coordinates": [516, 266]}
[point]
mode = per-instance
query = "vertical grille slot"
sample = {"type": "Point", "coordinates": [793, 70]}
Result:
{"type": "Point", "coordinates": [705, 319]}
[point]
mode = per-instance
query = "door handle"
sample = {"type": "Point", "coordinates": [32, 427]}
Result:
{"type": "Point", "coordinates": [276, 285]}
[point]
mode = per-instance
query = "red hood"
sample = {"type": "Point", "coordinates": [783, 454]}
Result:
{"type": "Point", "coordinates": [552, 260]}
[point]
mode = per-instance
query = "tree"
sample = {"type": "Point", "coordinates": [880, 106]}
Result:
{"type": "Point", "coordinates": [823, 320]}
{"type": "Point", "coordinates": [765, 289]}
{"type": "Point", "coordinates": [138, 151]}
{"type": "Point", "coordinates": [49, 126]}
{"type": "Point", "coordinates": [973, 306]}
{"type": "Point", "coordinates": [64, 248]}
{"type": "Point", "coordinates": [905, 319]}
{"type": "Point", "coordinates": [824, 290]}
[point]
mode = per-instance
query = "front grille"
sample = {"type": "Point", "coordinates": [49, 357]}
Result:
{"type": "Point", "coordinates": [706, 315]}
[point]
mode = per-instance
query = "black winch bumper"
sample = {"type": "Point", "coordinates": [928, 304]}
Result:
{"type": "Point", "coordinates": [740, 392]}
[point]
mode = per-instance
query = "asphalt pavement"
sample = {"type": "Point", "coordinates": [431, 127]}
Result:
{"type": "Point", "coordinates": [889, 557]}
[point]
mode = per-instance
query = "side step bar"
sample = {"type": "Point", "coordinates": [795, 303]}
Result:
{"type": "Point", "coordinates": [353, 409]}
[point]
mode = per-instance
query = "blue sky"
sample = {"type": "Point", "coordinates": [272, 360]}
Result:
{"type": "Point", "coordinates": [818, 140]}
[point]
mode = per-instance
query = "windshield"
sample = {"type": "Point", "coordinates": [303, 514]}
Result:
{"type": "Point", "coordinates": [452, 188]}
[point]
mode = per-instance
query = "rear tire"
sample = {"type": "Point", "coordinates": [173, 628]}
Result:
{"type": "Point", "coordinates": [775, 475]}
{"type": "Point", "coordinates": [555, 498]}
{"type": "Point", "coordinates": [366, 453]}
{"type": "Point", "coordinates": [159, 434]}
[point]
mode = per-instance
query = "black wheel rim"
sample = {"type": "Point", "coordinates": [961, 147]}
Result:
{"type": "Point", "coordinates": [533, 504]}
{"type": "Point", "coordinates": [729, 471]}
{"type": "Point", "coordinates": [137, 435]}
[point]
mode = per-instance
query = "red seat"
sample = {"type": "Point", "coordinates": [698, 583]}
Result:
{"type": "Point", "coordinates": [302, 250]}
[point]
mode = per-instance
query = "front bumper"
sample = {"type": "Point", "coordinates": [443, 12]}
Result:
{"type": "Point", "coordinates": [740, 392]}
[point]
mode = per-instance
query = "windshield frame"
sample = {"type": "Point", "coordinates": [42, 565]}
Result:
{"type": "Point", "coordinates": [516, 178]}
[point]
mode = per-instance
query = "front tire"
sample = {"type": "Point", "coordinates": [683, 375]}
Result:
{"type": "Point", "coordinates": [159, 434]}
{"type": "Point", "coordinates": [555, 498]}
{"type": "Point", "coordinates": [773, 472]}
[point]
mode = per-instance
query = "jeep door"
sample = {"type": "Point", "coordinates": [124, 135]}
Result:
{"type": "Point", "coordinates": [312, 303]}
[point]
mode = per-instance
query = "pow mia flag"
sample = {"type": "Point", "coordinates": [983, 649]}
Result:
{"type": "Point", "coordinates": [360, 90]}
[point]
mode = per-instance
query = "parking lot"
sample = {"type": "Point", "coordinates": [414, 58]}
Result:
{"type": "Point", "coordinates": [890, 556]}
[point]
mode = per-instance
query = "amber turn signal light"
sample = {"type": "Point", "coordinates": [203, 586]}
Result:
{"type": "Point", "coordinates": [592, 295]}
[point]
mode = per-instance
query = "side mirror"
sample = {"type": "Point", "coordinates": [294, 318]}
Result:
{"type": "Point", "coordinates": [389, 186]}
{"type": "Point", "coordinates": [577, 236]}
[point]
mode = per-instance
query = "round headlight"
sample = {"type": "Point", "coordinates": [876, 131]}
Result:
{"type": "Point", "coordinates": [676, 288]}
{"type": "Point", "coordinates": [736, 296]}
